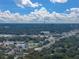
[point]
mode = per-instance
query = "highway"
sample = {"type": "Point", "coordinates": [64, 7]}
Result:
{"type": "Point", "coordinates": [52, 39]}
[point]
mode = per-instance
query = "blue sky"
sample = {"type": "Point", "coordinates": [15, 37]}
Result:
{"type": "Point", "coordinates": [25, 7]}
{"type": "Point", "coordinates": [58, 7]}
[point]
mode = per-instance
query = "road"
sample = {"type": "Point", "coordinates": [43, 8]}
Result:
{"type": "Point", "coordinates": [52, 39]}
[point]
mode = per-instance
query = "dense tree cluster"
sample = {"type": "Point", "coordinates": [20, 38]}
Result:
{"type": "Point", "coordinates": [66, 48]}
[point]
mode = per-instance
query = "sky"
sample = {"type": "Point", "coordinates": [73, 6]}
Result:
{"type": "Point", "coordinates": [39, 11]}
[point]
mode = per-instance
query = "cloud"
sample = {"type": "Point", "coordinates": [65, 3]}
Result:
{"type": "Point", "coordinates": [41, 15]}
{"type": "Point", "coordinates": [58, 1]}
{"type": "Point", "coordinates": [26, 3]}
{"type": "Point", "coordinates": [8, 17]}
{"type": "Point", "coordinates": [73, 11]}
